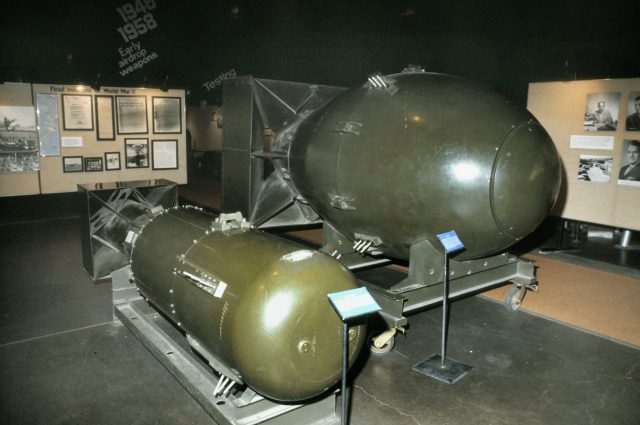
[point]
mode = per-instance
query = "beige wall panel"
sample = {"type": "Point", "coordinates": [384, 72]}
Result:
{"type": "Point", "coordinates": [15, 184]}
{"type": "Point", "coordinates": [560, 107]}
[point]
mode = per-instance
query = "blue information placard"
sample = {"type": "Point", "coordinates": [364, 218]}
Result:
{"type": "Point", "coordinates": [353, 303]}
{"type": "Point", "coordinates": [450, 241]}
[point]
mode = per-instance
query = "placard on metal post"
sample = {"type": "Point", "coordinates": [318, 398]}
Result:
{"type": "Point", "coordinates": [349, 305]}
{"type": "Point", "coordinates": [438, 366]}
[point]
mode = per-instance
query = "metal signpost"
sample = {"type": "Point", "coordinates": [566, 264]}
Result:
{"type": "Point", "coordinates": [349, 305]}
{"type": "Point", "coordinates": [439, 366]}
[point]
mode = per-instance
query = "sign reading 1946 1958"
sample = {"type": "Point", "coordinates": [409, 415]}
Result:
{"type": "Point", "coordinates": [137, 17]}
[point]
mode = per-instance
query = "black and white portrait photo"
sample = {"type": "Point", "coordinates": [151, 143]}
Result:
{"type": "Point", "coordinates": [629, 174]}
{"type": "Point", "coordinates": [601, 112]}
{"type": "Point", "coordinates": [632, 123]}
{"type": "Point", "coordinates": [595, 168]}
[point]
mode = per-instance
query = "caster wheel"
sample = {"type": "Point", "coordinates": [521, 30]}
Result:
{"type": "Point", "coordinates": [386, 348]}
{"type": "Point", "coordinates": [513, 298]}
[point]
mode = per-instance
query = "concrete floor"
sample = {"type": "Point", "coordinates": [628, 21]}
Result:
{"type": "Point", "coordinates": [63, 361]}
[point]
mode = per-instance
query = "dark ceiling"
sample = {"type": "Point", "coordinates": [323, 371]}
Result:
{"type": "Point", "coordinates": [505, 43]}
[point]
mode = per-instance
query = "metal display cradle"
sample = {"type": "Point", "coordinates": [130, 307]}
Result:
{"type": "Point", "coordinates": [110, 209]}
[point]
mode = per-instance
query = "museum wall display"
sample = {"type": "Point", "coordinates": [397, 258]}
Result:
{"type": "Point", "coordinates": [111, 134]}
{"type": "Point", "coordinates": [595, 125]}
{"type": "Point", "coordinates": [56, 137]}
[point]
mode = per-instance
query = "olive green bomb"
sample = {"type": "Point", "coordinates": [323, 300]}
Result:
{"type": "Point", "coordinates": [255, 302]}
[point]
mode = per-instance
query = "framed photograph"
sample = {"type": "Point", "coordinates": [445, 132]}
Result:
{"type": "Point", "coordinates": [72, 164]}
{"type": "Point", "coordinates": [165, 154]}
{"type": "Point", "coordinates": [112, 161]}
{"type": "Point", "coordinates": [92, 164]}
{"type": "Point", "coordinates": [633, 112]}
{"type": "Point", "coordinates": [132, 114]}
{"type": "Point", "coordinates": [77, 112]}
{"type": "Point", "coordinates": [595, 168]}
{"type": "Point", "coordinates": [105, 118]}
{"type": "Point", "coordinates": [629, 173]}
{"type": "Point", "coordinates": [601, 112]}
{"type": "Point", "coordinates": [18, 141]}
{"type": "Point", "coordinates": [167, 115]}
{"type": "Point", "coordinates": [136, 153]}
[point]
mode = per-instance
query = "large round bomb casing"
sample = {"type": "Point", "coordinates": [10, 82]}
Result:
{"type": "Point", "coordinates": [255, 301]}
{"type": "Point", "coordinates": [440, 153]}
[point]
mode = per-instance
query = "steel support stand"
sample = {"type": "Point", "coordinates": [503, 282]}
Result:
{"type": "Point", "coordinates": [438, 366]}
{"type": "Point", "coordinates": [345, 368]}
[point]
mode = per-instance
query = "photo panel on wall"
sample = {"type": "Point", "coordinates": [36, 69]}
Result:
{"type": "Point", "coordinates": [136, 153]}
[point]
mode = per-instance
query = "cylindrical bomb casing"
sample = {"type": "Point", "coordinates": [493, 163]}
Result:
{"type": "Point", "coordinates": [255, 301]}
{"type": "Point", "coordinates": [436, 153]}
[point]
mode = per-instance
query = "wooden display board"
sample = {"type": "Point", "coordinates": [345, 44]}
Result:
{"type": "Point", "coordinates": [142, 128]}
{"type": "Point", "coordinates": [17, 181]}
{"type": "Point", "coordinates": [587, 122]}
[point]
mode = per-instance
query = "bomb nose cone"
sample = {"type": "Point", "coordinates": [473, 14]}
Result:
{"type": "Point", "coordinates": [525, 180]}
